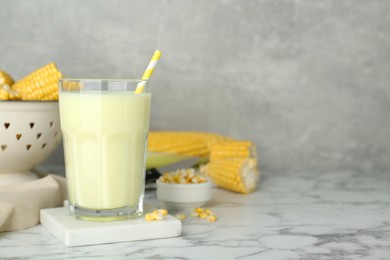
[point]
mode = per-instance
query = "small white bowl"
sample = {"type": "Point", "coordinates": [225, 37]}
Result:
{"type": "Point", "coordinates": [183, 196]}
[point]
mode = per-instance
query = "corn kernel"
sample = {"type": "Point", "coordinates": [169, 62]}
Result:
{"type": "Point", "coordinates": [149, 217]}
{"type": "Point", "coordinates": [208, 211]}
{"type": "Point", "coordinates": [199, 210]}
{"type": "Point", "coordinates": [203, 215]}
{"type": "Point", "coordinates": [157, 215]}
{"type": "Point", "coordinates": [211, 218]}
{"type": "Point", "coordinates": [167, 175]}
{"type": "Point", "coordinates": [163, 212]}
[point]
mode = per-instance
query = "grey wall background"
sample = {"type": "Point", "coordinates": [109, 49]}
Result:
{"type": "Point", "coordinates": [308, 81]}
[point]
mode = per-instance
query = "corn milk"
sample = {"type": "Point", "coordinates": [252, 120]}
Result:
{"type": "Point", "coordinates": [105, 137]}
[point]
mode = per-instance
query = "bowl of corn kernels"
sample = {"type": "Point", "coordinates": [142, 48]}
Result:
{"type": "Point", "coordinates": [29, 122]}
{"type": "Point", "coordinates": [183, 189]}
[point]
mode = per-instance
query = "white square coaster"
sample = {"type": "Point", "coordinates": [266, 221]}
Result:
{"type": "Point", "coordinates": [74, 232]}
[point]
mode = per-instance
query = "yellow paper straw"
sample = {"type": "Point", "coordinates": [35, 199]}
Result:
{"type": "Point", "coordinates": [148, 72]}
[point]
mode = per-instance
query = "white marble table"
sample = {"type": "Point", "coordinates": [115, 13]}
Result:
{"type": "Point", "coordinates": [335, 215]}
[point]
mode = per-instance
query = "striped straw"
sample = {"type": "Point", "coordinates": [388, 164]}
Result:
{"type": "Point", "coordinates": [148, 72]}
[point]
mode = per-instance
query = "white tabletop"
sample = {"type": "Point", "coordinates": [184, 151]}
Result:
{"type": "Point", "coordinates": [334, 215]}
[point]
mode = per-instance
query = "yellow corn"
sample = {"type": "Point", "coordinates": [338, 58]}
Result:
{"type": "Point", "coordinates": [5, 90]}
{"type": "Point", "coordinates": [183, 176]}
{"type": "Point", "coordinates": [184, 143]}
{"type": "Point", "coordinates": [208, 211]}
{"type": "Point", "coordinates": [149, 217]}
{"type": "Point", "coordinates": [234, 173]}
{"type": "Point", "coordinates": [5, 78]}
{"type": "Point", "coordinates": [41, 84]}
{"type": "Point", "coordinates": [212, 218]}
{"type": "Point", "coordinates": [232, 148]}
{"type": "Point", "coordinates": [6, 93]}
{"type": "Point", "coordinates": [3, 94]}
{"type": "Point", "coordinates": [233, 163]}
{"type": "Point", "coordinates": [204, 213]}
{"type": "Point", "coordinates": [158, 214]}
{"type": "Point", "coordinates": [199, 210]}
{"type": "Point", "coordinates": [163, 212]}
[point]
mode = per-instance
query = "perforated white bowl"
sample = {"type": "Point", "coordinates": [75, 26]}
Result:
{"type": "Point", "coordinates": [29, 133]}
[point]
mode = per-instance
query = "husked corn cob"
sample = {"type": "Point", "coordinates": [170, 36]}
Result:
{"type": "Point", "coordinates": [185, 143]}
{"type": "Point", "coordinates": [232, 148]}
{"type": "Point", "coordinates": [234, 173]}
{"type": "Point", "coordinates": [6, 93]}
{"type": "Point", "coordinates": [41, 84]}
{"type": "Point", "coordinates": [5, 78]}
{"type": "Point", "coordinates": [5, 90]}
{"type": "Point", "coordinates": [233, 163]}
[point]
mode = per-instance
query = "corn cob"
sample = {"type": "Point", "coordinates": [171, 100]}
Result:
{"type": "Point", "coordinates": [6, 93]}
{"type": "Point", "coordinates": [5, 79]}
{"type": "Point", "coordinates": [185, 143]}
{"type": "Point", "coordinates": [5, 82]}
{"type": "Point", "coordinates": [233, 173]}
{"type": "Point", "coordinates": [233, 163]}
{"type": "Point", "coordinates": [41, 84]}
{"type": "Point", "coordinates": [232, 148]}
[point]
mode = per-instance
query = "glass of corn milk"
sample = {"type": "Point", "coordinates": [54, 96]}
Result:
{"type": "Point", "coordinates": [105, 127]}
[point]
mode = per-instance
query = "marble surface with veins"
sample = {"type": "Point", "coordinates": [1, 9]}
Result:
{"type": "Point", "coordinates": [331, 215]}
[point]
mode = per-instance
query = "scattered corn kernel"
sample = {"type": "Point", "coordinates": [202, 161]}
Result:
{"type": "Point", "coordinates": [208, 211]}
{"type": "Point", "coordinates": [183, 176]}
{"type": "Point", "coordinates": [149, 216]}
{"type": "Point", "coordinates": [181, 217]}
{"type": "Point", "coordinates": [199, 210]}
{"type": "Point", "coordinates": [204, 213]}
{"type": "Point", "coordinates": [211, 218]}
{"type": "Point", "coordinates": [163, 212]}
{"type": "Point", "coordinates": [157, 214]}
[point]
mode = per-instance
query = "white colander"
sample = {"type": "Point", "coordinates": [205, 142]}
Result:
{"type": "Point", "coordinates": [29, 133]}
